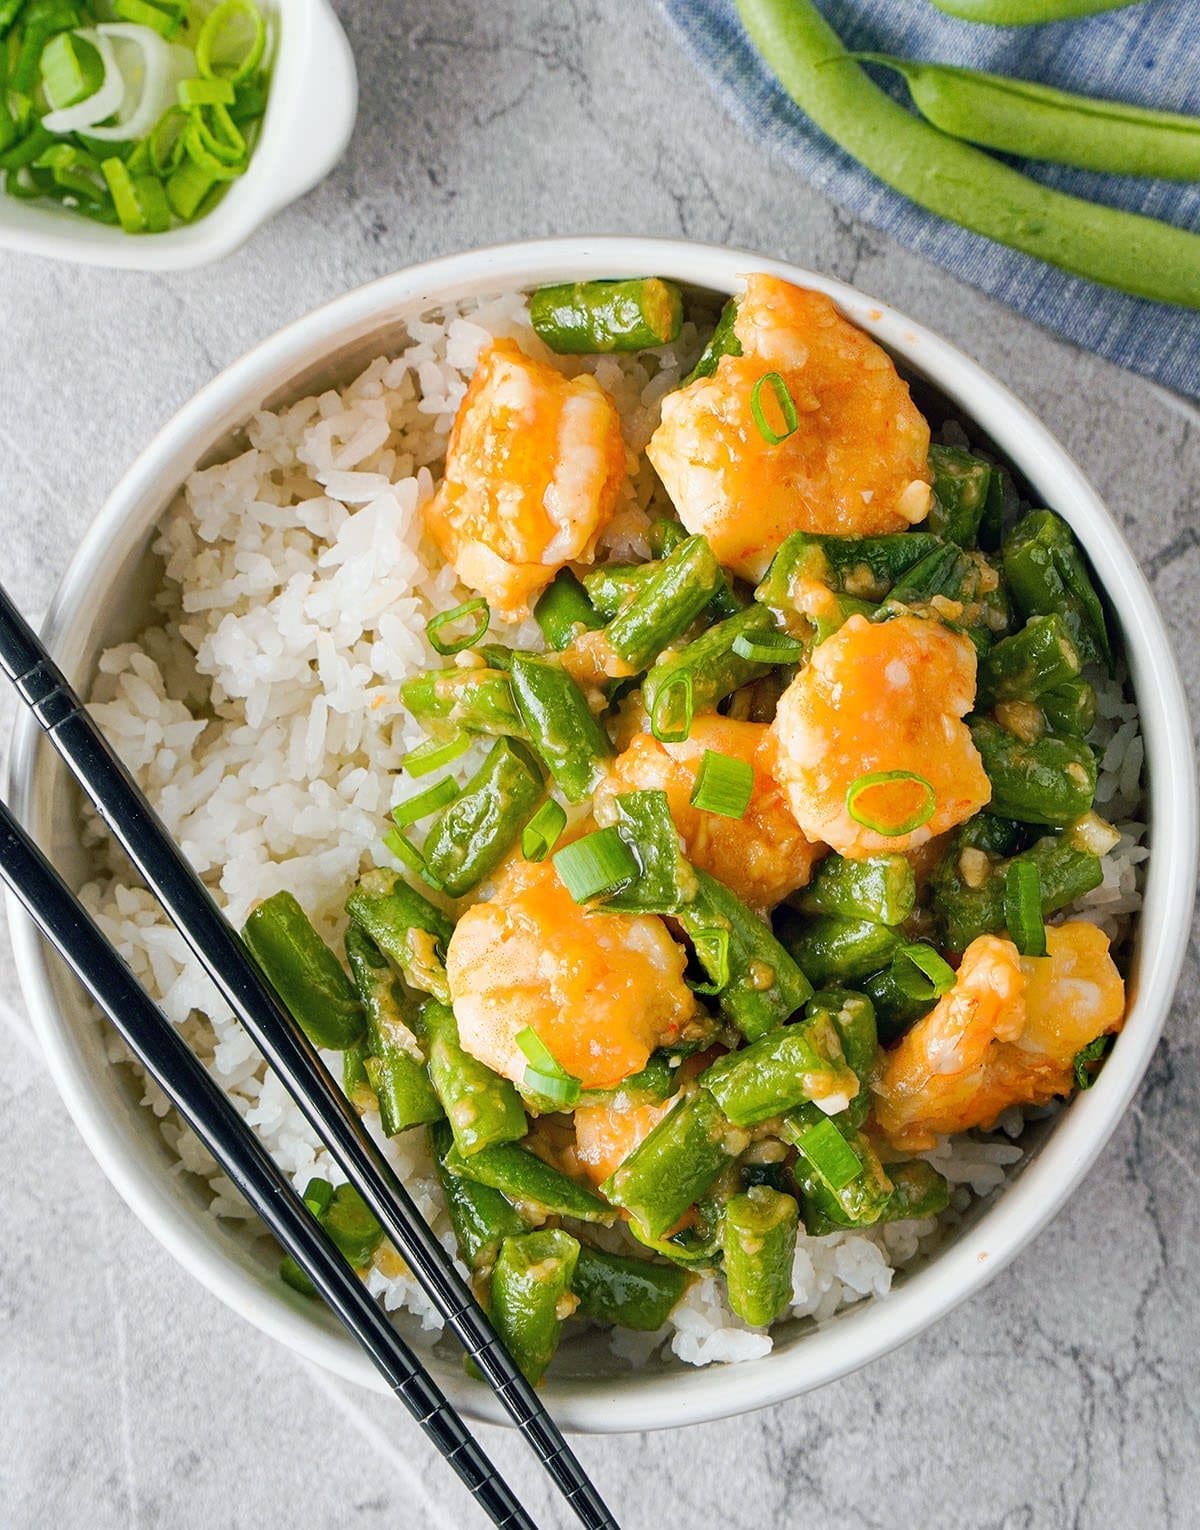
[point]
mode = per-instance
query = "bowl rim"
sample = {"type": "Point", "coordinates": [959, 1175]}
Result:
{"type": "Point", "coordinates": [649, 1398]}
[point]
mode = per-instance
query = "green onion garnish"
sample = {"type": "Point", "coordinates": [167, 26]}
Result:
{"type": "Point", "coordinates": [674, 705]}
{"type": "Point", "coordinates": [1085, 1075]}
{"type": "Point", "coordinates": [164, 18]}
{"type": "Point", "coordinates": [874, 778]}
{"type": "Point", "coordinates": [932, 966]}
{"type": "Point", "coordinates": [1023, 908]}
{"type": "Point", "coordinates": [204, 93]}
{"type": "Point", "coordinates": [830, 1155]}
{"type": "Point", "coordinates": [540, 834]}
{"type": "Point", "coordinates": [440, 795]}
{"type": "Point", "coordinates": [476, 609]}
{"type": "Point", "coordinates": [71, 70]}
{"type": "Point", "coordinates": [768, 647]}
{"type": "Point", "coordinates": [231, 41]}
{"type": "Point", "coordinates": [723, 785]}
{"type": "Point", "coordinates": [406, 852]}
{"type": "Point", "coordinates": [187, 187]}
{"type": "Point", "coordinates": [712, 951]}
{"type": "Point", "coordinates": [545, 1075]}
{"type": "Point", "coordinates": [125, 199]}
{"type": "Point", "coordinates": [787, 408]}
{"type": "Point", "coordinates": [595, 865]}
{"type": "Point", "coordinates": [435, 752]}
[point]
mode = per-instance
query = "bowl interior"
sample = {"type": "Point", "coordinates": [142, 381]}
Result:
{"type": "Point", "coordinates": [107, 599]}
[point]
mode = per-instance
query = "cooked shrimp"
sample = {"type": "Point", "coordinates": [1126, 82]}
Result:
{"type": "Point", "coordinates": [855, 464]}
{"type": "Point", "coordinates": [605, 1135]}
{"type": "Point", "coordinates": [1006, 1034]}
{"type": "Point", "coordinates": [602, 992]}
{"type": "Point", "coordinates": [880, 697]}
{"type": "Point", "coordinates": [533, 470]}
{"type": "Point", "coordinates": [763, 855]}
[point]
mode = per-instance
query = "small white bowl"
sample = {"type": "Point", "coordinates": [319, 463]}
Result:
{"type": "Point", "coordinates": [310, 114]}
{"type": "Point", "coordinates": [105, 595]}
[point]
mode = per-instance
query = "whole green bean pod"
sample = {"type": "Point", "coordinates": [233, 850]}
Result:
{"type": "Point", "coordinates": [675, 1164]}
{"type": "Point", "coordinates": [667, 604]}
{"type": "Point", "coordinates": [865, 567]}
{"type": "Point", "coordinates": [852, 1016]}
{"type": "Point", "coordinates": [480, 1216]}
{"type": "Point", "coordinates": [592, 318]}
{"type": "Point", "coordinates": [722, 342]}
{"type": "Point", "coordinates": [469, 838]}
{"type": "Point", "coordinates": [1050, 780]}
{"type": "Point", "coordinates": [794, 1063]}
{"type": "Point", "coordinates": [1038, 122]}
{"type": "Point", "coordinates": [629, 1293]}
{"type": "Point", "coordinates": [611, 586]}
{"type": "Point", "coordinates": [758, 1239]}
{"type": "Point", "coordinates": [1020, 13]}
{"type": "Point", "coordinates": [479, 700]}
{"type": "Point", "coordinates": [1023, 666]}
{"type": "Point", "coordinates": [1046, 572]}
{"type": "Point", "coordinates": [531, 1293]}
{"type": "Point", "coordinates": [963, 911]}
{"type": "Point", "coordinates": [762, 985]}
{"type": "Point", "coordinates": [716, 670]}
{"type": "Point", "coordinates": [400, 1078]}
{"type": "Point", "coordinates": [529, 1181]}
{"type": "Point", "coordinates": [304, 972]}
{"type": "Point", "coordinates": [880, 888]}
{"type": "Point", "coordinates": [964, 184]}
{"type": "Point", "coordinates": [1069, 708]}
{"type": "Point", "coordinates": [961, 485]}
{"type": "Point", "coordinates": [831, 949]}
{"type": "Point", "coordinates": [482, 1108]}
{"type": "Point", "coordinates": [561, 728]}
{"type": "Point", "coordinates": [405, 926]}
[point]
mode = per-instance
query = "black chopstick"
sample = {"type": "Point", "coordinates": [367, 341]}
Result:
{"type": "Point", "coordinates": [188, 903]}
{"type": "Point", "coordinates": [210, 1114]}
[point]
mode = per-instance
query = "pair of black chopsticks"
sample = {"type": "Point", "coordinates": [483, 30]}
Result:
{"type": "Point", "coordinates": [185, 899]}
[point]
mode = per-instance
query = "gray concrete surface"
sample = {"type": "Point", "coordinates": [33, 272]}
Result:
{"type": "Point", "coordinates": [1063, 1398]}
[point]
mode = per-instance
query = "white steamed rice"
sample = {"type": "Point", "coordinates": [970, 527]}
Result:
{"type": "Point", "coordinates": [261, 714]}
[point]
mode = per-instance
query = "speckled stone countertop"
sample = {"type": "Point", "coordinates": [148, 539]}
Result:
{"type": "Point", "coordinates": [1067, 1395]}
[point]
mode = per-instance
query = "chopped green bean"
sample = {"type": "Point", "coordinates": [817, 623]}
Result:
{"type": "Point", "coordinates": [483, 1109]}
{"type": "Point", "coordinates": [880, 888]}
{"type": "Point", "coordinates": [758, 1238]}
{"type": "Point", "coordinates": [481, 1216]}
{"type": "Point", "coordinates": [675, 1164]}
{"type": "Point", "coordinates": [304, 972]}
{"type": "Point", "coordinates": [401, 1079]}
{"type": "Point", "coordinates": [529, 1284]}
{"type": "Point", "coordinates": [405, 926]}
{"type": "Point", "coordinates": [1048, 780]}
{"type": "Point", "coordinates": [1046, 572]}
{"type": "Point", "coordinates": [563, 611]}
{"type": "Point", "coordinates": [630, 1293]}
{"type": "Point", "coordinates": [964, 911]}
{"type": "Point", "coordinates": [961, 484]}
{"type": "Point", "coordinates": [1021, 667]}
{"type": "Point", "coordinates": [591, 318]}
{"type": "Point", "coordinates": [792, 1064]}
{"type": "Point", "coordinates": [528, 1181]}
{"type": "Point", "coordinates": [471, 836]}
{"type": "Point", "coordinates": [722, 342]}
{"type": "Point", "coordinates": [715, 668]}
{"type": "Point", "coordinates": [832, 949]}
{"type": "Point", "coordinates": [479, 700]}
{"type": "Point", "coordinates": [560, 725]}
{"type": "Point", "coordinates": [667, 604]}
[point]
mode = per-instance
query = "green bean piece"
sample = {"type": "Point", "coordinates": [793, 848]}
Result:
{"type": "Point", "coordinates": [901, 995]}
{"type": "Point", "coordinates": [856, 1202]}
{"type": "Point", "coordinates": [629, 1293]}
{"type": "Point", "coordinates": [400, 1078]}
{"type": "Point", "coordinates": [1046, 572]}
{"type": "Point", "coordinates": [667, 604]}
{"type": "Point", "coordinates": [762, 984]}
{"type": "Point", "coordinates": [1038, 122]}
{"type": "Point", "coordinates": [563, 611]}
{"type": "Point", "coordinates": [964, 911]}
{"type": "Point", "coordinates": [529, 1181]}
{"type": "Point", "coordinates": [852, 1016]}
{"type": "Point", "coordinates": [965, 576]}
{"type": "Point", "coordinates": [722, 342]}
{"type": "Point", "coordinates": [573, 745]}
{"type": "Point", "coordinates": [880, 888]}
{"type": "Point", "coordinates": [667, 882]}
{"type": "Point", "coordinates": [961, 485]}
{"type": "Point", "coordinates": [593, 318]}
{"type": "Point", "coordinates": [758, 1238]}
{"type": "Point", "coordinates": [831, 949]}
{"type": "Point", "coordinates": [865, 567]}
{"type": "Point", "coordinates": [611, 586]}
{"type": "Point", "coordinates": [304, 972]}
{"type": "Point", "coordinates": [968, 186]}
{"type": "Point", "coordinates": [1069, 708]}
{"type": "Point", "coordinates": [998, 836]}
{"type": "Point", "coordinates": [1023, 666]}
{"type": "Point", "coordinates": [657, 1081]}
{"type": "Point", "coordinates": [480, 1216]}
{"type": "Point", "coordinates": [405, 926]}
{"type": "Point", "coordinates": [1020, 13]}
{"type": "Point", "coordinates": [530, 1288]}
{"type": "Point", "coordinates": [716, 670]}
{"type": "Point", "coordinates": [355, 1084]}
{"type": "Point", "coordinates": [351, 1224]}
{"type": "Point", "coordinates": [469, 838]}
{"type": "Point", "coordinates": [317, 1195]}
{"type": "Point", "coordinates": [1049, 780]}
{"type": "Point", "coordinates": [675, 1164]}
{"type": "Point", "coordinates": [479, 700]}
{"type": "Point", "coordinates": [918, 1190]}
{"type": "Point", "coordinates": [483, 1109]}
{"type": "Point", "coordinates": [794, 1063]}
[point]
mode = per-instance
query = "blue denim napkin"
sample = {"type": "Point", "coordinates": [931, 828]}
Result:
{"type": "Point", "coordinates": [1148, 53]}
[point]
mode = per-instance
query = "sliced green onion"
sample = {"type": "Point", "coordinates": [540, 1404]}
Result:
{"type": "Point", "coordinates": [1085, 1075]}
{"type": "Point", "coordinates": [830, 1154]}
{"type": "Point", "coordinates": [213, 166]}
{"type": "Point", "coordinates": [152, 199]}
{"type": "Point", "coordinates": [540, 834]}
{"type": "Point", "coordinates": [674, 706]}
{"type": "Point", "coordinates": [477, 608]}
{"type": "Point", "coordinates": [71, 69]}
{"type": "Point", "coordinates": [712, 951]}
{"type": "Point", "coordinates": [787, 407]}
{"type": "Point", "coordinates": [405, 851]}
{"type": "Point", "coordinates": [440, 795]}
{"type": "Point", "coordinates": [124, 195]}
{"type": "Point", "coordinates": [165, 140]}
{"type": "Point", "coordinates": [768, 647]}
{"type": "Point", "coordinates": [218, 135]}
{"type": "Point", "coordinates": [231, 41]}
{"type": "Point", "coordinates": [205, 93]}
{"type": "Point", "coordinates": [434, 753]}
{"type": "Point", "coordinates": [723, 785]}
{"type": "Point", "coordinates": [187, 187]}
{"type": "Point", "coordinates": [165, 19]}
{"type": "Point", "coordinates": [1023, 908]}
{"type": "Point", "coordinates": [75, 171]}
{"type": "Point", "coordinates": [598, 864]}
{"type": "Point", "coordinates": [250, 100]}
{"type": "Point", "coordinates": [546, 1075]}
{"type": "Point", "coordinates": [874, 778]}
{"type": "Point", "coordinates": [926, 960]}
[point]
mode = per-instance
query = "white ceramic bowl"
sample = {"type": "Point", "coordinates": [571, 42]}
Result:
{"type": "Point", "coordinates": [100, 600]}
{"type": "Point", "coordinates": [309, 118]}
